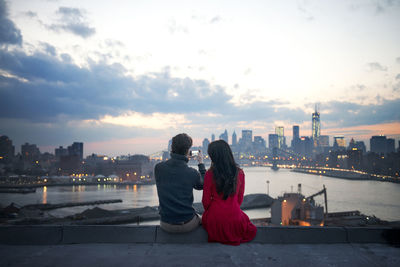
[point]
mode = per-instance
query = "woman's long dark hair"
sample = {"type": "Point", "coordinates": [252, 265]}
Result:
{"type": "Point", "coordinates": [224, 167]}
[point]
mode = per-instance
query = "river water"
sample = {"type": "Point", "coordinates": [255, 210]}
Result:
{"type": "Point", "coordinates": [381, 199]}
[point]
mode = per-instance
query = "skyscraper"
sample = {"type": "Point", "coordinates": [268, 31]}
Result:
{"type": "Point", "coordinates": [382, 145]}
{"type": "Point", "coordinates": [272, 141]}
{"type": "Point", "coordinates": [205, 144]}
{"type": "Point", "coordinates": [60, 152]}
{"type": "Point", "coordinates": [339, 143]}
{"type": "Point", "coordinates": [378, 144]}
{"type": "Point", "coordinates": [390, 148]}
{"type": "Point", "coordinates": [324, 140]}
{"type": "Point", "coordinates": [296, 139]}
{"type": "Point", "coordinates": [234, 139]}
{"type": "Point", "coordinates": [7, 149]}
{"type": "Point", "coordinates": [224, 136]}
{"type": "Point", "coordinates": [296, 132]}
{"type": "Point", "coordinates": [259, 144]}
{"type": "Point", "coordinates": [30, 152]}
{"type": "Point", "coordinates": [76, 149]}
{"type": "Point", "coordinates": [279, 130]}
{"type": "Point", "coordinates": [246, 140]}
{"type": "Point", "coordinates": [316, 127]}
{"type": "Point", "coordinates": [212, 137]}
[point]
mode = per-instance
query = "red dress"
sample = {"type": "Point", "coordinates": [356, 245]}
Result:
{"type": "Point", "coordinates": [223, 219]}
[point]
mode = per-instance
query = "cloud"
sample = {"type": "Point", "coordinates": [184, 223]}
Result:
{"type": "Point", "coordinates": [345, 114]}
{"type": "Point", "coordinates": [72, 20]}
{"type": "Point", "coordinates": [360, 87]}
{"type": "Point", "coordinates": [48, 48]}
{"type": "Point", "coordinates": [151, 121]}
{"type": "Point", "coordinates": [30, 14]}
{"type": "Point", "coordinates": [373, 66]}
{"type": "Point", "coordinates": [56, 87]}
{"type": "Point", "coordinates": [174, 27]}
{"type": "Point", "coordinates": [9, 33]}
{"type": "Point", "coordinates": [398, 60]}
{"type": "Point", "coordinates": [396, 85]}
{"type": "Point", "coordinates": [44, 94]}
{"type": "Point", "coordinates": [215, 19]}
{"type": "Point", "coordinates": [113, 43]}
{"type": "Point", "coordinates": [384, 5]}
{"type": "Point", "coordinates": [60, 88]}
{"type": "Point", "coordinates": [304, 10]}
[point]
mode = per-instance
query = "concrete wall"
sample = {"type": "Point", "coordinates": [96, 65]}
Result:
{"type": "Point", "coordinates": [54, 235]}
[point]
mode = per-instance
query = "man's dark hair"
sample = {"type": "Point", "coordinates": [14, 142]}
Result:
{"type": "Point", "coordinates": [181, 144]}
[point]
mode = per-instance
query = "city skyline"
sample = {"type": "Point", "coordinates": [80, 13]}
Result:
{"type": "Point", "coordinates": [124, 78]}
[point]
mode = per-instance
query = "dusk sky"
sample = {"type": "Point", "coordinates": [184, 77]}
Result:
{"type": "Point", "coordinates": [125, 76]}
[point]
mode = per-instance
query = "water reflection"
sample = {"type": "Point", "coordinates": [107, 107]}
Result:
{"type": "Point", "coordinates": [135, 188]}
{"type": "Point", "coordinates": [44, 198]}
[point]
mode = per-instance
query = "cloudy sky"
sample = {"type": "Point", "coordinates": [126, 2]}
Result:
{"type": "Point", "coordinates": [125, 76]}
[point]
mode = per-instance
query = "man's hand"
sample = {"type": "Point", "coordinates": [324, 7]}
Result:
{"type": "Point", "coordinates": [200, 157]}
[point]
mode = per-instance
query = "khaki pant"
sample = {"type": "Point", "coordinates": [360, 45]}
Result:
{"type": "Point", "coordinates": [181, 228]}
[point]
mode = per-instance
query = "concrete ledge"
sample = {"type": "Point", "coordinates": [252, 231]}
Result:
{"type": "Point", "coordinates": [31, 235]}
{"type": "Point", "coordinates": [373, 235]}
{"type": "Point", "coordinates": [108, 234]}
{"type": "Point", "coordinates": [303, 235]}
{"type": "Point", "coordinates": [199, 235]}
{"type": "Point", "coordinates": [54, 235]}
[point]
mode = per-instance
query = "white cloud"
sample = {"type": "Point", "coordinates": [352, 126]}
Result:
{"type": "Point", "coordinates": [153, 121]}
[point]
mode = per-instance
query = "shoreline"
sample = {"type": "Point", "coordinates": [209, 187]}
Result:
{"type": "Point", "coordinates": [22, 186]}
{"type": "Point", "coordinates": [346, 174]}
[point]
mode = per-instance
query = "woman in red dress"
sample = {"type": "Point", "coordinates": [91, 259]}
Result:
{"type": "Point", "coordinates": [223, 193]}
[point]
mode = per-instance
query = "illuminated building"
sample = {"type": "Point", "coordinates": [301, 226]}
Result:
{"type": "Point", "coordinates": [279, 130]}
{"type": "Point", "coordinates": [7, 150]}
{"type": "Point", "coordinates": [354, 158]}
{"type": "Point", "coordinates": [339, 143]}
{"type": "Point", "coordinates": [296, 209]}
{"type": "Point", "coordinates": [316, 127]}
{"type": "Point", "coordinates": [306, 146]}
{"type": "Point", "coordinates": [30, 152]}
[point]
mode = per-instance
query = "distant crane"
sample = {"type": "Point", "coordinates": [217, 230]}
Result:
{"type": "Point", "coordinates": [323, 191]}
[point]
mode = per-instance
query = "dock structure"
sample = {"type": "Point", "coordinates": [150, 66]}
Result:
{"type": "Point", "coordinates": [50, 206]}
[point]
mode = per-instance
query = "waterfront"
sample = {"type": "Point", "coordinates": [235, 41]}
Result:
{"type": "Point", "coordinates": [369, 197]}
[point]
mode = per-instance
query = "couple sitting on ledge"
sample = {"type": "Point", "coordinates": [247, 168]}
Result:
{"type": "Point", "coordinates": [223, 189]}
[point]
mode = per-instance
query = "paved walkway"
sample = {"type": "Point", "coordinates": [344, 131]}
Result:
{"type": "Point", "coordinates": [203, 254]}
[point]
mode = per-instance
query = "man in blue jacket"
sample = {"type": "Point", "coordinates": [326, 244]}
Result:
{"type": "Point", "coordinates": [175, 181]}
